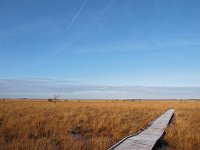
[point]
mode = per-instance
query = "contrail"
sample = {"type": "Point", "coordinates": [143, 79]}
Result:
{"type": "Point", "coordinates": [76, 15]}
{"type": "Point", "coordinates": [55, 52]}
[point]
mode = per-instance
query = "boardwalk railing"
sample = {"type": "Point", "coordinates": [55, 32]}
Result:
{"type": "Point", "coordinates": [146, 138]}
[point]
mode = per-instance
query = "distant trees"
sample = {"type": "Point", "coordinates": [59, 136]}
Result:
{"type": "Point", "coordinates": [50, 100]}
{"type": "Point", "coordinates": [55, 99]}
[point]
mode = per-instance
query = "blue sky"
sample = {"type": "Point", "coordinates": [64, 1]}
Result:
{"type": "Point", "coordinates": [100, 48]}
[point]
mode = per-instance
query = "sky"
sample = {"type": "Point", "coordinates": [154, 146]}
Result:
{"type": "Point", "coordinates": [100, 49]}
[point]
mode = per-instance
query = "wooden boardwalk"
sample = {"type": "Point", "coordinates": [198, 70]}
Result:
{"type": "Point", "coordinates": [145, 139]}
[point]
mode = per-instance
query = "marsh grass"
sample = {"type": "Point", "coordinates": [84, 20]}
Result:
{"type": "Point", "coordinates": [184, 132]}
{"type": "Point", "coordinates": [89, 125]}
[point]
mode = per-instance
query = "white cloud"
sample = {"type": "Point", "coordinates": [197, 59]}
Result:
{"type": "Point", "coordinates": [45, 88]}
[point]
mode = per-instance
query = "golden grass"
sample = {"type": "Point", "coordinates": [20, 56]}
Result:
{"type": "Point", "coordinates": [184, 132]}
{"type": "Point", "coordinates": [88, 125]}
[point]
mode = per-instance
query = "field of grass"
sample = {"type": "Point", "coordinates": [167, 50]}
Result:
{"type": "Point", "coordinates": [90, 124]}
{"type": "Point", "coordinates": [184, 133]}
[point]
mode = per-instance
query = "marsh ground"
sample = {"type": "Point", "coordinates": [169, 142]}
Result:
{"type": "Point", "coordinates": [92, 124]}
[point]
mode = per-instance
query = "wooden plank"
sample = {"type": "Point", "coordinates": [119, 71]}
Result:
{"type": "Point", "coordinates": [146, 138]}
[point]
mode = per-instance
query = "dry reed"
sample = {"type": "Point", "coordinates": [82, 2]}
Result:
{"type": "Point", "coordinates": [89, 125]}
